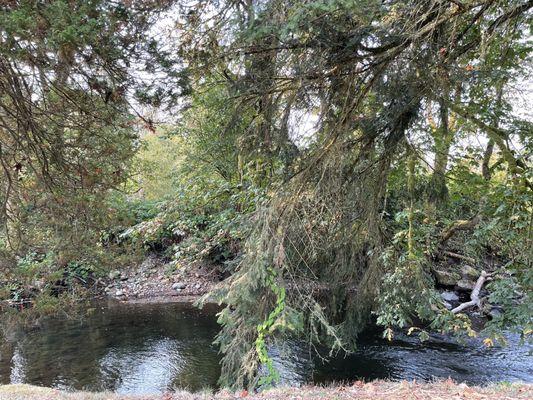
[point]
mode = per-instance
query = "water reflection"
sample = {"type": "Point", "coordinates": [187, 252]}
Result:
{"type": "Point", "coordinates": [123, 348]}
{"type": "Point", "coordinates": [151, 348]}
{"type": "Point", "coordinates": [156, 364]}
{"type": "Point", "coordinates": [17, 371]}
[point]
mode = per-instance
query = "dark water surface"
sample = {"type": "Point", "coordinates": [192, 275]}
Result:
{"type": "Point", "coordinates": [151, 348]}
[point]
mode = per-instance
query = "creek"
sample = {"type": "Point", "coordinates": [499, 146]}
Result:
{"type": "Point", "coordinates": [152, 348]}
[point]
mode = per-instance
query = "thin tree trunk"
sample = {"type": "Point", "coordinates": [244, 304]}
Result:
{"type": "Point", "coordinates": [485, 165]}
{"type": "Point", "coordinates": [516, 164]}
{"type": "Point", "coordinates": [438, 191]}
{"type": "Point", "coordinates": [486, 171]}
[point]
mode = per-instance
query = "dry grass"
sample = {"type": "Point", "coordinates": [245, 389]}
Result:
{"type": "Point", "coordinates": [377, 390]}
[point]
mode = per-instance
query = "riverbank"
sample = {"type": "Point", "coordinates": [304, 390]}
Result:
{"type": "Point", "coordinates": [156, 278]}
{"type": "Point", "coordinates": [377, 390]}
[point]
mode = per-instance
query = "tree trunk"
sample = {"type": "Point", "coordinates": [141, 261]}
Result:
{"type": "Point", "coordinates": [443, 137]}
{"type": "Point", "coordinates": [485, 165]}
{"type": "Point", "coordinates": [486, 171]}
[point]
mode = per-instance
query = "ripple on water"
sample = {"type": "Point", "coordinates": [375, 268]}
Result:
{"type": "Point", "coordinates": [152, 348]}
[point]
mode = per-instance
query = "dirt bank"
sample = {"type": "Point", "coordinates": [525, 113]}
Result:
{"type": "Point", "coordinates": [377, 390]}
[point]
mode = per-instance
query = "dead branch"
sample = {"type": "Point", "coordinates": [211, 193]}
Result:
{"type": "Point", "coordinates": [460, 225]}
{"type": "Point", "coordinates": [474, 296]}
{"type": "Point", "coordinates": [459, 256]}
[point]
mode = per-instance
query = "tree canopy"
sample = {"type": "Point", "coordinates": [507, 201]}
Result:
{"type": "Point", "coordinates": [335, 153]}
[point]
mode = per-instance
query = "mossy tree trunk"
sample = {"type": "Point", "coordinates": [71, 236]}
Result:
{"type": "Point", "coordinates": [443, 138]}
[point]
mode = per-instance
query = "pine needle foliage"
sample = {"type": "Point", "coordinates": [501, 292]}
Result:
{"type": "Point", "coordinates": [370, 71]}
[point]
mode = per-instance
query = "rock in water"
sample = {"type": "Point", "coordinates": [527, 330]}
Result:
{"type": "Point", "coordinates": [449, 296]}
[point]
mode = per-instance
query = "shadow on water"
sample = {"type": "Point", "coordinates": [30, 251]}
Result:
{"type": "Point", "coordinates": [151, 348]}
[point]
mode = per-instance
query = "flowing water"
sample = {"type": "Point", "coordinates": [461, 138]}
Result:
{"type": "Point", "coordinates": [152, 348]}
